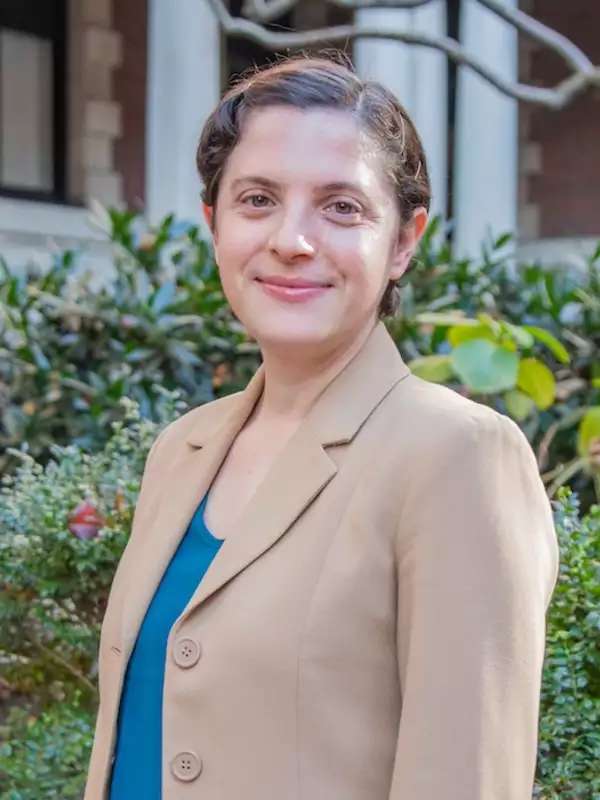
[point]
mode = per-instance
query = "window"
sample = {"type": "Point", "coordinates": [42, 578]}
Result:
{"type": "Point", "coordinates": [32, 99]}
{"type": "Point", "coordinates": [242, 53]}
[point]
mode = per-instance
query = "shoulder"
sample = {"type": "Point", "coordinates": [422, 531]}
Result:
{"type": "Point", "coordinates": [434, 423]}
{"type": "Point", "coordinates": [206, 415]}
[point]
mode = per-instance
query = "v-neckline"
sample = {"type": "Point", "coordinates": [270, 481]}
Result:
{"type": "Point", "coordinates": [204, 527]}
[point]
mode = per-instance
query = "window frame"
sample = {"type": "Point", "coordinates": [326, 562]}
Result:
{"type": "Point", "coordinates": [48, 21]}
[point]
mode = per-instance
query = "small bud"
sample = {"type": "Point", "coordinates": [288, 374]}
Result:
{"type": "Point", "coordinates": [120, 502]}
{"type": "Point", "coordinates": [85, 521]}
{"type": "Point", "coordinates": [147, 242]}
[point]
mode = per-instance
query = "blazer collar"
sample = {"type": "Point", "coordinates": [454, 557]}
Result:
{"type": "Point", "coordinates": [299, 473]}
{"type": "Point", "coordinates": [340, 409]}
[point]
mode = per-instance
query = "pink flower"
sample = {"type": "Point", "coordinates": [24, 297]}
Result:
{"type": "Point", "coordinates": [85, 521]}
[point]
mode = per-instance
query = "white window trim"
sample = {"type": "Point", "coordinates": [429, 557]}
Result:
{"type": "Point", "coordinates": [38, 219]}
{"type": "Point", "coordinates": [559, 251]}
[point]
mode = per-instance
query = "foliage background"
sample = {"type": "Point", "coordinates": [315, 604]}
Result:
{"type": "Point", "coordinates": [90, 372]}
{"type": "Point", "coordinates": [55, 587]}
{"type": "Point", "coordinates": [71, 346]}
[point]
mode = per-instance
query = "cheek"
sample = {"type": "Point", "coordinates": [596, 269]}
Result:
{"type": "Point", "coordinates": [361, 255]}
{"type": "Point", "coordinates": [234, 250]}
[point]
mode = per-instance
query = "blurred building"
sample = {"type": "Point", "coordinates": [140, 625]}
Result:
{"type": "Point", "coordinates": [104, 99]}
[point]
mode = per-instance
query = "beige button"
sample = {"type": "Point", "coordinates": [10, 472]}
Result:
{"type": "Point", "coordinates": [186, 652]}
{"type": "Point", "coordinates": [186, 766]}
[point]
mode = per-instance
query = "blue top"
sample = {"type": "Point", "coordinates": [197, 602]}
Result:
{"type": "Point", "coordinates": [138, 751]}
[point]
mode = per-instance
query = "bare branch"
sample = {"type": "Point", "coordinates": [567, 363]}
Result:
{"type": "Point", "coordinates": [556, 98]}
{"type": "Point", "coordinates": [535, 29]}
{"type": "Point", "coordinates": [267, 10]}
{"type": "Point", "coordinates": [263, 11]}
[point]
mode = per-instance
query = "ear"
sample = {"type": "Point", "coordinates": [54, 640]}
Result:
{"type": "Point", "coordinates": [407, 242]}
{"type": "Point", "coordinates": [208, 212]}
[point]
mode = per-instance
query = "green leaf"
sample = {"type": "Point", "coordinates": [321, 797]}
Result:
{"type": "Point", "coordinates": [39, 357]}
{"type": "Point", "coordinates": [139, 354]}
{"type": "Point", "coordinates": [143, 285]}
{"type": "Point", "coordinates": [536, 380]}
{"type": "Point", "coordinates": [518, 404]}
{"type": "Point", "coordinates": [444, 318]}
{"type": "Point", "coordinates": [183, 354]}
{"type": "Point", "coordinates": [436, 368]}
{"type": "Point", "coordinates": [490, 323]}
{"type": "Point", "coordinates": [550, 341]}
{"type": "Point", "coordinates": [163, 297]}
{"type": "Point", "coordinates": [485, 367]}
{"type": "Point", "coordinates": [460, 333]}
{"type": "Point", "coordinates": [589, 428]}
{"type": "Point", "coordinates": [522, 337]}
{"type": "Point", "coordinates": [502, 240]}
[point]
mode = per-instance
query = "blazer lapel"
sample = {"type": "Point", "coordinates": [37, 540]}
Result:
{"type": "Point", "coordinates": [299, 473]}
{"type": "Point", "coordinates": [183, 482]}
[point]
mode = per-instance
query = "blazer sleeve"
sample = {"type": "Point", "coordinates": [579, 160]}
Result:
{"type": "Point", "coordinates": [478, 559]}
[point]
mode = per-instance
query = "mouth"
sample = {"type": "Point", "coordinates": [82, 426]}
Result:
{"type": "Point", "coordinates": [295, 285]}
{"type": "Point", "coordinates": [293, 294]}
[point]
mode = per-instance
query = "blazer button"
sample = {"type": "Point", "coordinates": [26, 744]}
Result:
{"type": "Point", "coordinates": [186, 766]}
{"type": "Point", "coordinates": [186, 652]}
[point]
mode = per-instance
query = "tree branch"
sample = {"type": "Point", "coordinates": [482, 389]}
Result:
{"type": "Point", "coordinates": [555, 98]}
{"type": "Point", "coordinates": [585, 74]}
{"type": "Point", "coordinates": [535, 29]}
{"type": "Point", "coordinates": [62, 662]}
{"type": "Point", "coordinates": [267, 10]}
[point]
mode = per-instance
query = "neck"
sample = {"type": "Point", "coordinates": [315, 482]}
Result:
{"type": "Point", "coordinates": [292, 385]}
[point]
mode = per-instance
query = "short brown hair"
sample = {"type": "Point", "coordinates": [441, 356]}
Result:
{"type": "Point", "coordinates": [304, 82]}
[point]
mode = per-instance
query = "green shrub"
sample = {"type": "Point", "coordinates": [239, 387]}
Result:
{"type": "Point", "coordinates": [55, 580]}
{"type": "Point", "coordinates": [72, 344]}
{"type": "Point", "coordinates": [55, 585]}
{"type": "Point", "coordinates": [569, 745]}
{"type": "Point", "coordinates": [522, 338]}
{"type": "Point", "coordinates": [519, 337]}
{"type": "Point", "coordinates": [44, 754]}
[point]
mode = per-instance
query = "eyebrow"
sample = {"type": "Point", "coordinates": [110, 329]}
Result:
{"type": "Point", "coordinates": [334, 186]}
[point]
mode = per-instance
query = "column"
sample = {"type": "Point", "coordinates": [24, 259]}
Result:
{"type": "Point", "coordinates": [430, 106]}
{"type": "Point", "coordinates": [486, 150]}
{"type": "Point", "coordinates": [184, 69]}
{"type": "Point", "coordinates": [418, 77]}
{"type": "Point", "coordinates": [386, 61]}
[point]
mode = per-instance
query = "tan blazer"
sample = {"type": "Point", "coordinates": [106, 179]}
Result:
{"type": "Point", "coordinates": [376, 631]}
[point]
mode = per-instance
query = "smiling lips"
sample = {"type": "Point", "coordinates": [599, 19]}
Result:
{"type": "Point", "coordinates": [292, 290]}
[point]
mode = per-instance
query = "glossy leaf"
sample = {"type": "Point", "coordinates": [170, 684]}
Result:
{"type": "Point", "coordinates": [464, 333]}
{"type": "Point", "coordinates": [550, 341]}
{"type": "Point", "coordinates": [163, 297]}
{"type": "Point", "coordinates": [485, 367]}
{"type": "Point", "coordinates": [520, 334]}
{"type": "Point", "coordinates": [444, 318]}
{"type": "Point", "coordinates": [434, 368]}
{"type": "Point", "coordinates": [519, 405]}
{"type": "Point", "coordinates": [536, 380]}
{"type": "Point", "coordinates": [589, 429]}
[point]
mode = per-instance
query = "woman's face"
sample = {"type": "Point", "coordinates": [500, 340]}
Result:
{"type": "Point", "coordinates": [303, 197]}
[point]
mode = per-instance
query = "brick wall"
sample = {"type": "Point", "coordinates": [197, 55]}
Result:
{"type": "Point", "coordinates": [95, 116]}
{"type": "Point", "coordinates": [560, 150]}
{"type": "Point", "coordinates": [129, 90]}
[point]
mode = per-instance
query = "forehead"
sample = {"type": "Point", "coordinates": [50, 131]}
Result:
{"type": "Point", "coordinates": [309, 145]}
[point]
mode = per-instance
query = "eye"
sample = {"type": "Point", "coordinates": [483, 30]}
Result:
{"type": "Point", "coordinates": [351, 208]}
{"type": "Point", "coordinates": [253, 197]}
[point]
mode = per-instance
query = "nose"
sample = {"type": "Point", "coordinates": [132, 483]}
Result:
{"type": "Point", "coordinates": [288, 238]}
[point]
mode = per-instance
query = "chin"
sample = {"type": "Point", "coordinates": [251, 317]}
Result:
{"type": "Point", "coordinates": [291, 332]}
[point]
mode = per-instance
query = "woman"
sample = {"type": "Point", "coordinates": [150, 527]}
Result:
{"type": "Point", "coordinates": [337, 579]}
